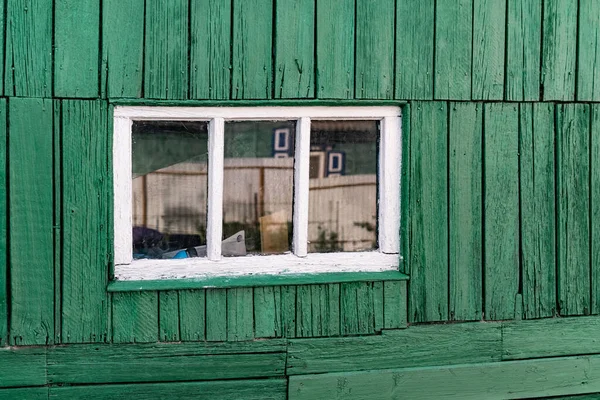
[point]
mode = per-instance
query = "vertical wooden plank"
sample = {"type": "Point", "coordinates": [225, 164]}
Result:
{"type": "Point", "coordinates": [85, 220]}
{"type": "Point", "coordinates": [135, 317]}
{"type": "Point", "coordinates": [523, 36]}
{"type": "Point", "coordinates": [559, 49]}
{"type": "Point", "coordinates": [216, 315]}
{"type": "Point", "coordinates": [364, 299]}
{"type": "Point", "coordinates": [295, 49]}
{"type": "Point", "coordinates": [318, 295]}
{"type": "Point", "coordinates": [595, 206]}
{"type": "Point", "coordinates": [28, 62]}
{"type": "Point", "coordinates": [538, 226]}
{"type": "Point", "coordinates": [166, 50]}
{"type": "Point", "coordinates": [31, 212]}
{"type": "Point", "coordinates": [414, 49]}
{"type": "Point", "coordinates": [394, 303]}
{"type": "Point", "coordinates": [168, 311]}
{"type": "Point", "coordinates": [348, 308]}
{"type": "Point", "coordinates": [252, 48]}
{"type": "Point", "coordinates": [332, 317]}
{"type": "Point", "coordinates": [288, 311]}
{"type": "Point", "coordinates": [192, 314]}
{"type": "Point", "coordinates": [123, 41]}
{"type": "Point", "coordinates": [303, 311]}
{"type": "Point", "coordinates": [375, 49]}
{"type": "Point", "coordinates": [335, 49]}
{"type": "Point", "coordinates": [489, 22]}
{"type": "Point", "coordinates": [453, 49]}
{"type": "Point", "coordinates": [240, 314]}
{"type": "Point", "coordinates": [378, 305]}
{"type": "Point", "coordinates": [3, 230]}
{"type": "Point", "coordinates": [76, 48]}
{"type": "Point", "coordinates": [501, 205]}
{"type": "Point", "coordinates": [428, 210]}
{"type": "Point", "coordinates": [466, 215]}
{"type": "Point", "coordinates": [573, 235]}
{"type": "Point", "coordinates": [267, 312]}
{"type": "Point", "coordinates": [57, 218]}
{"type": "Point", "coordinates": [210, 52]}
{"type": "Point", "coordinates": [588, 51]}
{"type": "Point", "coordinates": [405, 256]}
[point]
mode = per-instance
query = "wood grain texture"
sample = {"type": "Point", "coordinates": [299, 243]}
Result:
{"type": "Point", "coordinates": [38, 393]}
{"type": "Point", "coordinates": [57, 218]}
{"type": "Point", "coordinates": [192, 314]}
{"type": "Point", "coordinates": [506, 380]}
{"type": "Point", "coordinates": [356, 308]}
{"type": "Point", "coordinates": [538, 222]}
{"type": "Point", "coordinates": [122, 42]}
{"type": "Point", "coordinates": [28, 62]}
{"type": "Point", "coordinates": [523, 39]}
{"type": "Point", "coordinates": [31, 211]}
{"type": "Point", "coordinates": [267, 312]}
{"type": "Point", "coordinates": [240, 314]}
{"type": "Point", "coordinates": [559, 49]}
{"type": "Point", "coordinates": [466, 211]}
{"type": "Point", "coordinates": [288, 311]}
{"type": "Point", "coordinates": [168, 311]}
{"type": "Point", "coordinates": [85, 221]}
{"type": "Point", "coordinates": [423, 345]}
{"type": "Point", "coordinates": [335, 49]}
{"type": "Point", "coordinates": [428, 210]}
{"type": "Point", "coordinates": [588, 51]}
{"type": "Point", "coordinates": [489, 42]}
{"type": "Point", "coordinates": [303, 311]}
{"type": "Point", "coordinates": [501, 210]}
{"type": "Point", "coordinates": [210, 49]}
{"type": "Point", "coordinates": [3, 227]}
{"type": "Point", "coordinates": [394, 305]}
{"type": "Point", "coordinates": [325, 310]}
{"type": "Point", "coordinates": [374, 49]}
{"type": "Point", "coordinates": [294, 49]}
{"type": "Point", "coordinates": [216, 315]}
{"type": "Point", "coordinates": [25, 366]}
{"type": "Point", "coordinates": [405, 202]}
{"type": "Point", "coordinates": [595, 206]}
{"type": "Point", "coordinates": [453, 49]}
{"type": "Point", "coordinates": [414, 49]}
{"type": "Point", "coordinates": [573, 217]}
{"type": "Point", "coordinates": [166, 50]}
{"type": "Point", "coordinates": [76, 56]}
{"type": "Point", "coordinates": [252, 75]}
{"type": "Point", "coordinates": [135, 317]}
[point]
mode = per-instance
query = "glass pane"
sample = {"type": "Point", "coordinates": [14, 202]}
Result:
{"type": "Point", "coordinates": [343, 186]}
{"type": "Point", "coordinates": [258, 187]}
{"type": "Point", "coordinates": [169, 188]}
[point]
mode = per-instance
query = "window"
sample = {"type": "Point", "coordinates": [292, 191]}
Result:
{"type": "Point", "coordinates": [200, 190]}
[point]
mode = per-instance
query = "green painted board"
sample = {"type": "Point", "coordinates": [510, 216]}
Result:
{"type": "Point", "coordinates": [210, 49]}
{"type": "Point", "coordinates": [414, 49]}
{"type": "Point", "coordinates": [349, 304]}
{"type": "Point", "coordinates": [501, 210]}
{"type": "Point", "coordinates": [3, 227]}
{"type": "Point", "coordinates": [428, 208]}
{"type": "Point", "coordinates": [31, 211]}
{"type": "Point", "coordinates": [405, 190]}
{"type": "Point", "coordinates": [168, 311]}
{"type": "Point", "coordinates": [559, 49]}
{"type": "Point", "coordinates": [252, 75]}
{"type": "Point", "coordinates": [595, 207]}
{"type": "Point", "coordinates": [122, 41]}
{"type": "Point", "coordinates": [267, 312]}
{"type": "Point", "coordinates": [304, 318]}
{"type": "Point", "coordinates": [76, 56]}
{"type": "Point", "coordinates": [288, 311]}
{"type": "Point", "coordinates": [192, 314]}
{"type": "Point", "coordinates": [57, 170]}
{"type": "Point", "coordinates": [37, 393]}
{"type": "Point", "coordinates": [85, 221]}
{"type": "Point", "coordinates": [523, 39]}
{"type": "Point", "coordinates": [489, 40]}
{"type": "Point", "coordinates": [335, 49]}
{"type": "Point", "coordinates": [23, 366]}
{"type": "Point", "coordinates": [135, 317]}
{"type": "Point", "coordinates": [365, 308]}
{"type": "Point", "coordinates": [588, 50]}
{"type": "Point", "coordinates": [295, 49]}
{"type": "Point", "coordinates": [466, 211]}
{"type": "Point", "coordinates": [573, 214]}
{"type": "Point", "coordinates": [240, 314]}
{"type": "Point", "coordinates": [216, 315]}
{"type": "Point", "coordinates": [453, 49]}
{"type": "Point", "coordinates": [394, 305]}
{"type": "Point", "coordinates": [28, 62]}
{"type": "Point", "coordinates": [424, 345]}
{"type": "Point", "coordinates": [166, 49]}
{"type": "Point", "coordinates": [538, 223]}
{"type": "Point", "coordinates": [505, 380]}
{"type": "Point", "coordinates": [378, 313]}
{"type": "Point", "coordinates": [374, 67]}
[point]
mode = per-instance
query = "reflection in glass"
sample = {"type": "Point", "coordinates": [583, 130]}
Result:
{"type": "Point", "coordinates": [343, 186]}
{"type": "Point", "coordinates": [258, 184]}
{"type": "Point", "coordinates": [169, 166]}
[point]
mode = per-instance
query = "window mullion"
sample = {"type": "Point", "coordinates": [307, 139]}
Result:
{"type": "Point", "coordinates": [214, 228]}
{"type": "Point", "coordinates": [301, 180]}
{"type": "Point", "coordinates": [390, 152]}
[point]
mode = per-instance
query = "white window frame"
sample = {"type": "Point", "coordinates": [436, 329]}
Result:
{"type": "Point", "coordinates": [299, 261]}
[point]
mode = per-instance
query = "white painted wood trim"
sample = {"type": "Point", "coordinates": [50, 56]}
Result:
{"type": "Point", "coordinates": [214, 226]}
{"type": "Point", "coordinates": [390, 162]}
{"type": "Point", "coordinates": [123, 246]}
{"type": "Point", "coordinates": [256, 113]}
{"type": "Point", "coordinates": [301, 187]}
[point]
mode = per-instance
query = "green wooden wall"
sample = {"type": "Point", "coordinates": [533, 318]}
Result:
{"type": "Point", "coordinates": [501, 187]}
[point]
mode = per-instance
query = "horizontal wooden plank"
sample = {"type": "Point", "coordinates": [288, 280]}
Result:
{"type": "Point", "coordinates": [162, 362]}
{"type": "Point", "coordinates": [24, 366]}
{"type": "Point", "coordinates": [416, 346]}
{"type": "Point", "coordinates": [220, 390]}
{"type": "Point", "coordinates": [37, 393]}
{"type": "Point", "coordinates": [501, 380]}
